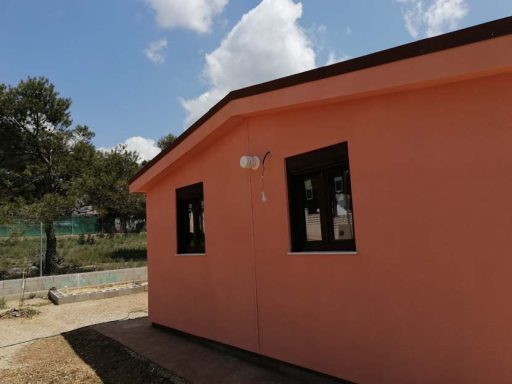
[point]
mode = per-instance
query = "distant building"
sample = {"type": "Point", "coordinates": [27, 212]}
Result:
{"type": "Point", "coordinates": [87, 210]}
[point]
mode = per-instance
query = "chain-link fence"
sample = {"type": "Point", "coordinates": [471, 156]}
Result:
{"type": "Point", "coordinates": [71, 225]}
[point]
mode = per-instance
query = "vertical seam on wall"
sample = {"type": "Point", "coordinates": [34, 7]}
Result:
{"type": "Point", "coordinates": [253, 243]}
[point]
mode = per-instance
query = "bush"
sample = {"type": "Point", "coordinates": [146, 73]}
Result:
{"type": "Point", "coordinates": [3, 303]}
{"type": "Point", "coordinates": [79, 253]}
{"type": "Point", "coordinates": [90, 239]}
{"type": "Point", "coordinates": [81, 239]}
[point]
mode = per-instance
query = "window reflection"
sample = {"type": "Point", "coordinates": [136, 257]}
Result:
{"type": "Point", "coordinates": [200, 225]}
{"type": "Point", "coordinates": [312, 210]}
{"type": "Point", "coordinates": [320, 200]}
{"type": "Point", "coordinates": [190, 219]}
{"type": "Point", "coordinates": [343, 224]}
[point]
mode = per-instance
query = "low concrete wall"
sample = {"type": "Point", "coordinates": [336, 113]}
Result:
{"type": "Point", "coordinates": [59, 297]}
{"type": "Point", "coordinates": [11, 289]}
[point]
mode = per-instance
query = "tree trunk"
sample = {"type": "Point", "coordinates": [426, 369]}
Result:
{"type": "Point", "coordinates": [51, 259]}
{"type": "Point", "coordinates": [122, 225]}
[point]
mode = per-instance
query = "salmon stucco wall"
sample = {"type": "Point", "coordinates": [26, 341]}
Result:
{"type": "Point", "coordinates": [206, 295]}
{"type": "Point", "coordinates": [426, 298]}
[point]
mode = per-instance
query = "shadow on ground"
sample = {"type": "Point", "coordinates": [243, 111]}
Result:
{"type": "Point", "coordinates": [136, 351]}
{"type": "Point", "coordinates": [128, 254]}
{"type": "Point", "coordinates": [113, 363]}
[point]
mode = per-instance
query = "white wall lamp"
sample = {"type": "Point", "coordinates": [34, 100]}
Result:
{"type": "Point", "coordinates": [254, 162]}
{"type": "Point", "coordinates": [250, 162]}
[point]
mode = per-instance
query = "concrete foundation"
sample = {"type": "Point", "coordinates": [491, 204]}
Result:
{"type": "Point", "coordinates": [11, 289]}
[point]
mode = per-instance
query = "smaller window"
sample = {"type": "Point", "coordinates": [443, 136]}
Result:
{"type": "Point", "coordinates": [190, 219]}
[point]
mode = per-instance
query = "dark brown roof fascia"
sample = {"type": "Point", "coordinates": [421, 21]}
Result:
{"type": "Point", "coordinates": [481, 32]}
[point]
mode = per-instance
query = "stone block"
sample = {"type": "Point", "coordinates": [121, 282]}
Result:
{"type": "Point", "coordinates": [124, 291]}
{"type": "Point", "coordinates": [66, 300]}
{"type": "Point", "coordinates": [138, 289]}
{"type": "Point", "coordinates": [96, 295]}
{"type": "Point", "coordinates": [112, 293]}
{"type": "Point", "coordinates": [81, 297]}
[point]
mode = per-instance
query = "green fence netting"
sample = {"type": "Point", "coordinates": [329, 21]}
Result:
{"type": "Point", "coordinates": [71, 225]}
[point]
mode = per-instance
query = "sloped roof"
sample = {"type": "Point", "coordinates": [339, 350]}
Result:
{"type": "Point", "coordinates": [475, 34]}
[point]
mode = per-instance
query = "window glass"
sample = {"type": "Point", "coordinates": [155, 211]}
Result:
{"type": "Point", "coordinates": [200, 225]}
{"type": "Point", "coordinates": [190, 219]}
{"type": "Point", "coordinates": [320, 199]}
{"type": "Point", "coordinates": [339, 181]}
{"type": "Point", "coordinates": [312, 209]}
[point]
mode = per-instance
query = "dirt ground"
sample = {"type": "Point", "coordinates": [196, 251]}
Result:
{"type": "Point", "coordinates": [57, 319]}
{"type": "Point", "coordinates": [53, 347]}
{"type": "Point", "coordinates": [81, 356]}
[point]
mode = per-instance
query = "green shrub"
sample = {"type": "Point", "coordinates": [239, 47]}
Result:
{"type": "Point", "coordinates": [81, 239]}
{"type": "Point", "coordinates": [90, 239]}
{"type": "Point", "coordinates": [79, 253]}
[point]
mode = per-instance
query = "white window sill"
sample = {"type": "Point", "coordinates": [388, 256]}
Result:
{"type": "Point", "coordinates": [322, 253]}
{"type": "Point", "coordinates": [190, 254]}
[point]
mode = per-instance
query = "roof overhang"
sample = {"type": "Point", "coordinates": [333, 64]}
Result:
{"type": "Point", "coordinates": [478, 51]}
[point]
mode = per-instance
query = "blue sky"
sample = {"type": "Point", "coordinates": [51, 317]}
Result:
{"type": "Point", "coordinates": [139, 69]}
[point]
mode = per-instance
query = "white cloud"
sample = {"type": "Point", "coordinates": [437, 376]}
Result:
{"type": "Point", "coordinates": [196, 15]}
{"type": "Point", "coordinates": [155, 51]}
{"type": "Point", "coordinates": [321, 28]}
{"type": "Point", "coordinates": [445, 15]}
{"type": "Point", "coordinates": [334, 58]}
{"type": "Point", "coordinates": [433, 18]}
{"type": "Point", "coordinates": [412, 11]}
{"type": "Point", "coordinates": [267, 43]}
{"type": "Point", "coordinates": [146, 148]}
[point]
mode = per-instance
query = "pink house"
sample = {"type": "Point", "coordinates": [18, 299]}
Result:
{"type": "Point", "coordinates": [355, 219]}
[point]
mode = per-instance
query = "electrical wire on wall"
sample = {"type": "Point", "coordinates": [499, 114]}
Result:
{"type": "Point", "coordinates": [263, 194]}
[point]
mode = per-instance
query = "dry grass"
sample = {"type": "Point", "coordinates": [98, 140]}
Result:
{"type": "Point", "coordinates": [14, 313]}
{"type": "Point", "coordinates": [48, 361]}
{"type": "Point", "coordinates": [31, 353]}
{"type": "Point", "coordinates": [100, 253]}
{"type": "Point", "coordinates": [81, 356]}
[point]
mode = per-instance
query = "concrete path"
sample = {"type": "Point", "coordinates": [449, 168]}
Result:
{"type": "Point", "coordinates": [54, 319]}
{"type": "Point", "coordinates": [193, 362]}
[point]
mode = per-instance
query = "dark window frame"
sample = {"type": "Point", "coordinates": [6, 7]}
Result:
{"type": "Point", "coordinates": [190, 195]}
{"type": "Point", "coordinates": [321, 164]}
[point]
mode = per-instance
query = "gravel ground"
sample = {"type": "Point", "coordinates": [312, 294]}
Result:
{"type": "Point", "coordinates": [83, 356]}
{"type": "Point", "coordinates": [19, 336]}
{"type": "Point", "coordinates": [56, 319]}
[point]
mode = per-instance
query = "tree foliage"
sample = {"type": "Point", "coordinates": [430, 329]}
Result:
{"type": "Point", "coordinates": [42, 159]}
{"type": "Point", "coordinates": [41, 155]}
{"type": "Point", "coordinates": [107, 187]}
{"type": "Point", "coordinates": [49, 169]}
{"type": "Point", "coordinates": [165, 141]}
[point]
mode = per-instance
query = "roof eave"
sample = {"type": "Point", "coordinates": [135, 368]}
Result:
{"type": "Point", "coordinates": [439, 43]}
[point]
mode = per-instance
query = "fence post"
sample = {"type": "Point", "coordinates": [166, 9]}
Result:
{"type": "Point", "coordinates": [41, 249]}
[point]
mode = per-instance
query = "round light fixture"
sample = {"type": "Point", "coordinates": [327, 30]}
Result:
{"type": "Point", "coordinates": [252, 162]}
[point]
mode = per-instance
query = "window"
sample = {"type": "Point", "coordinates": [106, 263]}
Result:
{"type": "Point", "coordinates": [320, 198]}
{"type": "Point", "coordinates": [190, 219]}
